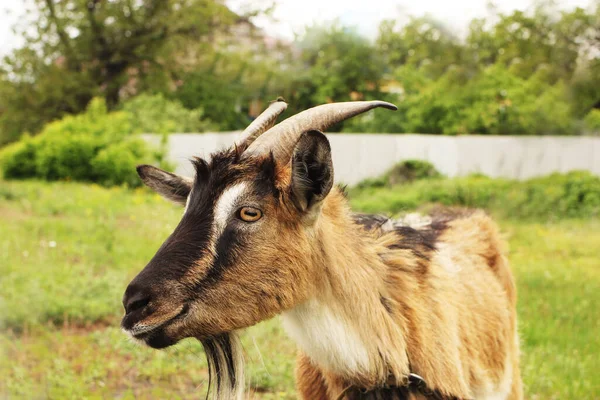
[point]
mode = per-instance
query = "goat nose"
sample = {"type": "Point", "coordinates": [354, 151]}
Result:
{"type": "Point", "coordinates": [135, 299]}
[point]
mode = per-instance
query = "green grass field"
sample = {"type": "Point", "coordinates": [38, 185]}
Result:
{"type": "Point", "coordinates": [67, 251]}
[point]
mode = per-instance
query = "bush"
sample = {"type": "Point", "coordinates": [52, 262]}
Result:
{"type": "Point", "coordinates": [492, 101]}
{"type": "Point", "coordinates": [574, 195]}
{"type": "Point", "coordinates": [18, 159]}
{"type": "Point", "coordinates": [65, 157]}
{"type": "Point", "coordinates": [221, 98]}
{"type": "Point", "coordinates": [94, 146]}
{"type": "Point", "coordinates": [403, 172]}
{"type": "Point", "coordinates": [411, 170]}
{"type": "Point", "coordinates": [156, 114]}
{"type": "Point", "coordinates": [115, 164]}
{"type": "Point", "coordinates": [592, 120]}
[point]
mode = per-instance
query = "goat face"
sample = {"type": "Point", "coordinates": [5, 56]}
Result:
{"type": "Point", "coordinates": [241, 252]}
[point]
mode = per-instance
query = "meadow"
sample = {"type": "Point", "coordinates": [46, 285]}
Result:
{"type": "Point", "coordinates": [68, 250]}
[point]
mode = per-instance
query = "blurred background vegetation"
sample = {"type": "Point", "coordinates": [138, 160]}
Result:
{"type": "Point", "coordinates": [90, 75]}
{"type": "Point", "coordinates": [534, 73]}
{"type": "Point", "coordinates": [166, 66]}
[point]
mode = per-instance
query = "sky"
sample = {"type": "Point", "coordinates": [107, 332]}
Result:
{"type": "Point", "coordinates": [292, 15]}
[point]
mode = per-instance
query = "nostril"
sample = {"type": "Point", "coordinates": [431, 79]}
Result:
{"type": "Point", "coordinates": [136, 302]}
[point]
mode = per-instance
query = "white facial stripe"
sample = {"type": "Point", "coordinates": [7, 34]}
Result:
{"type": "Point", "coordinates": [226, 204]}
{"type": "Point", "coordinates": [187, 201]}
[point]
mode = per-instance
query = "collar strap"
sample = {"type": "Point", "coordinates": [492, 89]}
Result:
{"type": "Point", "coordinates": [413, 384]}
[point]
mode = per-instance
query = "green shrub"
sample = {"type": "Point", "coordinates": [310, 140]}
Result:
{"type": "Point", "coordinates": [576, 194]}
{"type": "Point", "coordinates": [156, 114]}
{"type": "Point", "coordinates": [219, 95]}
{"type": "Point", "coordinates": [573, 195]}
{"type": "Point", "coordinates": [115, 164]}
{"type": "Point", "coordinates": [18, 159]}
{"type": "Point", "coordinates": [411, 170]}
{"type": "Point", "coordinates": [592, 120]}
{"type": "Point", "coordinates": [94, 146]}
{"type": "Point", "coordinates": [65, 157]}
{"type": "Point", "coordinates": [491, 101]}
{"type": "Point", "coordinates": [403, 172]}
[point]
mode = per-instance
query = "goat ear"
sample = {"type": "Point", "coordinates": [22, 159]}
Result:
{"type": "Point", "coordinates": [312, 170]}
{"type": "Point", "coordinates": [170, 186]}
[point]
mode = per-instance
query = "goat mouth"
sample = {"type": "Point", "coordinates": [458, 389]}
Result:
{"type": "Point", "coordinates": [149, 334]}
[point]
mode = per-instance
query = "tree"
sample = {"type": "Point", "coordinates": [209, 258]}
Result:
{"type": "Point", "coordinates": [334, 64]}
{"type": "Point", "coordinates": [422, 42]}
{"type": "Point", "coordinates": [81, 48]}
{"type": "Point", "coordinates": [525, 41]}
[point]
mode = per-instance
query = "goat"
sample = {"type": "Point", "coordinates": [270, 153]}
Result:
{"type": "Point", "coordinates": [379, 309]}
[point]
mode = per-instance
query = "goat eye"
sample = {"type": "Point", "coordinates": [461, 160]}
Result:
{"type": "Point", "coordinates": [249, 214]}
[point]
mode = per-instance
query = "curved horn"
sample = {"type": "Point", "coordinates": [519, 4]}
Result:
{"type": "Point", "coordinates": [262, 123]}
{"type": "Point", "coordinates": [282, 138]}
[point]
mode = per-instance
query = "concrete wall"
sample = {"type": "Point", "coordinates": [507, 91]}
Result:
{"type": "Point", "coordinates": [360, 156]}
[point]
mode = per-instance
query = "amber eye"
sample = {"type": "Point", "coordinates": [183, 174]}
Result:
{"type": "Point", "coordinates": [250, 214]}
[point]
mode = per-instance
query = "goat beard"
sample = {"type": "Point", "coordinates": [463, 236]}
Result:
{"type": "Point", "coordinates": [225, 366]}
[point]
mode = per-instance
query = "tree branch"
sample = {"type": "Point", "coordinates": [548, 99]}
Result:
{"type": "Point", "coordinates": [97, 36]}
{"type": "Point", "coordinates": [63, 37]}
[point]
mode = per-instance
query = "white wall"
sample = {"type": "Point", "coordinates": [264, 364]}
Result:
{"type": "Point", "coordinates": [360, 156]}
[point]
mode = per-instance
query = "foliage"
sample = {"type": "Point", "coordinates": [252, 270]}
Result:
{"type": "Point", "coordinates": [341, 62]}
{"type": "Point", "coordinates": [335, 64]}
{"type": "Point", "coordinates": [584, 87]}
{"type": "Point", "coordinates": [534, 72]}
{"type": "Point", "coordinates": [494, 102]}
{"type": "Point", "coordinates": [525, 41]}
{"type": "Point", "coordinates": [235, 80]}
{"type": "Point", "coordinates": [215, 94]}
{"type": "Point", "coordinates": [115, 164]}
{"type": "Point", "coordinates": [156, 114]}
{"type": "Point", "coordinates": [34, 92]}
{"type": "Point", "coordinates": [404, 172]}
{"type": "Point", "coordinates": [74, 50]}
{"type": "Point", "coordinates": [67, 259]}
{"type": "Point", "coordinates": [94, 146]}
{"type": "Point", "coordinates": [421, 43]}
{"type": "Point", "coordinates": [592, 120]}
{"type": "Point", "coordinates": [331, 64]}
{"type": "Point", "coordinates": [571, 195]}
{"type": "Point", "coordinates": [18, 159]}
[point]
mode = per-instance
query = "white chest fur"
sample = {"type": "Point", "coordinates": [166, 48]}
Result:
{"type": "Point", "coordinates": [329, 339]}
{"type": "Point", "coordinates": [499, 390]}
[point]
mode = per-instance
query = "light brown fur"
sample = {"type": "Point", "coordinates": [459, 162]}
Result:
{"type": "Point", "coordinates": [367, 307]}
{"type": "Point", "coordinates": [453, 320]}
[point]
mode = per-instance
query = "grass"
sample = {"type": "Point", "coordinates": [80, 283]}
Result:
{"type": "Point", "coordinates": [68, 250]}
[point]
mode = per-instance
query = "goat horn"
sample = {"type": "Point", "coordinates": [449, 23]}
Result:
{"type": "Point", "coordinates": [282, 138]}
{"type": "Point", "coordinates": [262, 123]}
